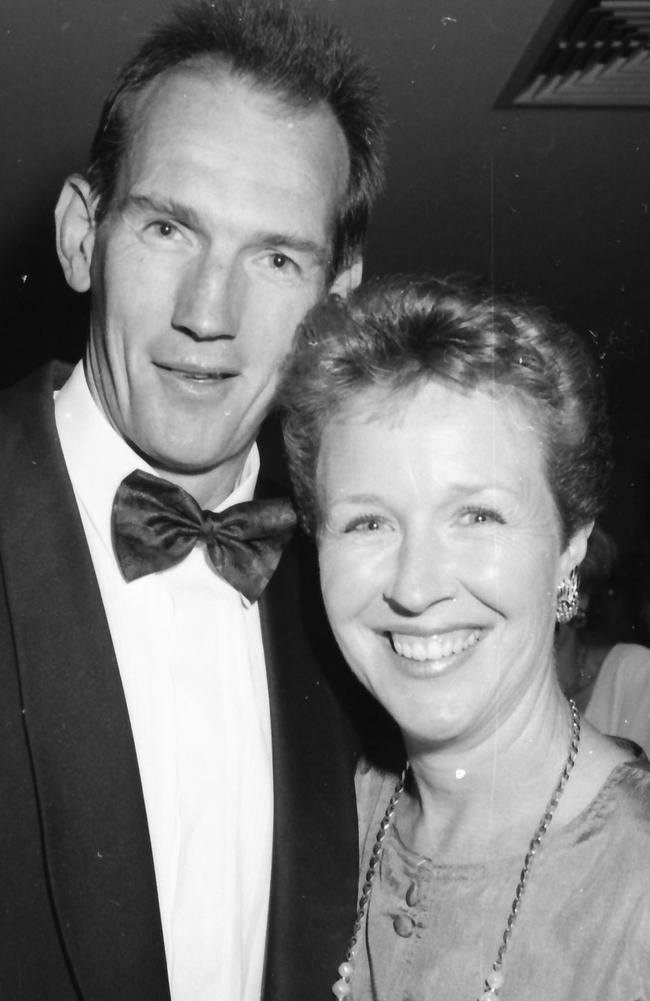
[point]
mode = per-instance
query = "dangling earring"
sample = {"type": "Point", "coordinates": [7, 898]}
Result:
{"type": "Point", "coordinates": [567, 598]}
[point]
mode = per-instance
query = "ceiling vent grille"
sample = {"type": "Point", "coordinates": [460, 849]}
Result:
{"type": "Point", "coordinates": [594, 53]}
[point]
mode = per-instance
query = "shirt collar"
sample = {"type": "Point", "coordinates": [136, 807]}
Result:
{"type": "Point", "coordinates": [98, 458]}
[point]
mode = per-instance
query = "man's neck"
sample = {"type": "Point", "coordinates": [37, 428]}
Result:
{"type": "Point", "coordinates": [210, 488]}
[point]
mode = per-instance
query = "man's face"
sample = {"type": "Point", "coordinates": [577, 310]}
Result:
{"type": "Point", "coordinates": [216, 244]}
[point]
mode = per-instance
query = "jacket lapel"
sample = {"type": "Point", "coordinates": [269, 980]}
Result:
{"type": "Point", "coordinates": [94, 825]}
{"type": "Point", "coordinates": [315, 856]}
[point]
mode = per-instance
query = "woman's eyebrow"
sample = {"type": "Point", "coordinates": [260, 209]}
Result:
{"type": "Point", "coordinates": [356, 499]}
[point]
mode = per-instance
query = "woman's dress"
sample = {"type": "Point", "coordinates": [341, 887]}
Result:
{"type": "Point", "coordinates": [583, 929]}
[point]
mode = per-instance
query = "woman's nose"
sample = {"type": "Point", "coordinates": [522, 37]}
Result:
{"type": "Point", "coordinates": [423, 574]}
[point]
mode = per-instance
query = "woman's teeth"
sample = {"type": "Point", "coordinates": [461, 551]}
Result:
{"type": "Point", "coordinates": [434, 647]}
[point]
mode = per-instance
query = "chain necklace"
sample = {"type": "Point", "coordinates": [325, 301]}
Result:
{"type": "Point", "coordinates": [495, 979]}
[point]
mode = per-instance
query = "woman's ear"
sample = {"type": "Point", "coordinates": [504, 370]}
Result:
{"type": "Point", "coordinates": [75, 231]}
{"type": "Point", "coordinates": [576, 549]}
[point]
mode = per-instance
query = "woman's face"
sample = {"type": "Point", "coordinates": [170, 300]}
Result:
{"type": "Point", "coordinates": [440, 553]}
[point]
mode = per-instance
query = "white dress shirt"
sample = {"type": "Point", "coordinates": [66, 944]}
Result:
{"type": "Point", "coordinates": [190, 655]}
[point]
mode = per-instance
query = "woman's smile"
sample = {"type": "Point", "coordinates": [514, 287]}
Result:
{"type": "Point", "coordinates": [435, 647]}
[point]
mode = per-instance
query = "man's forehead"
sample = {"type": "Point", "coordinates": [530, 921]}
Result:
{"type": "Point", "coordinates": [179, 84]}
{"type": "Point", "coordinates": [177, 106]}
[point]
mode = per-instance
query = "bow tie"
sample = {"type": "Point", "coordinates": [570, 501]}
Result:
{"type": "Point", "coordinates": [155, 524]}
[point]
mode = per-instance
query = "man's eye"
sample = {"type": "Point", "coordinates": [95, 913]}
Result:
{"type": "Point", "coordinates": [164, 229]}
{"type": "Point", "coordinates": [280, 262]}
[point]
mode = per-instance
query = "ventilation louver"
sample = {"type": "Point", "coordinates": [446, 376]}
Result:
{"type": "Point", "coordinates": [591, 53]}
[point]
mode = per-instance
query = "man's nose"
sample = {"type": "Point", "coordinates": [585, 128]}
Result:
{"type": "Point", "coordinates": [206, 300]}
{"type": "Point", "coordinates": [424, 573]}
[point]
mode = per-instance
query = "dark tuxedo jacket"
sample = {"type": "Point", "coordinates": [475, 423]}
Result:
{"type": "Point", "coordinates": [79, 915]}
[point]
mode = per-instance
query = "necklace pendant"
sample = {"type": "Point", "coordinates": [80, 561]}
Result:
{"type": "Point", "coordinates": [494, 981]}
{"type": "Point", "coordinates": [342, 989]}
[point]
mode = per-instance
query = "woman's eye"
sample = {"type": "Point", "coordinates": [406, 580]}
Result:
{"type": "Point", "coordinates": [365, 523]}
{"type": "Point", "coordinates": [481, 516]}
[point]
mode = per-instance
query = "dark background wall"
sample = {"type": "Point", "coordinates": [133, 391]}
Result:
{"type": "Point", "coordinates": [553, 202]}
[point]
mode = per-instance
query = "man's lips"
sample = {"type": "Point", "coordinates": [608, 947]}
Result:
{"type": "Point", "coordinates": [436, 646]}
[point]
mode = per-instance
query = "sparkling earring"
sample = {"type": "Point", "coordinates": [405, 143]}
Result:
{"type": "Point", "coordinates": [567, 598]}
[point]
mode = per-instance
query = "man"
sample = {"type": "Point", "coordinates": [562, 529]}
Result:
{"type": "Point", "coordinates": [177, 814]}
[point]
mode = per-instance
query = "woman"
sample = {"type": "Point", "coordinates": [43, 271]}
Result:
{"type": "Point", "coordinates": [449, 454]}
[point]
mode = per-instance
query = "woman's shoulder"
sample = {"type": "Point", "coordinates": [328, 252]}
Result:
{"type": "Point", "coordinates": [373, 785]}
{"type": "Point", "coordinates": [608, 856]}
{"type": "Point", "coordinates": [630, 782]}
{"type": "Point", "coordinates": [622, 806]}
{"type": "Point", "coordinates": [374, 788]}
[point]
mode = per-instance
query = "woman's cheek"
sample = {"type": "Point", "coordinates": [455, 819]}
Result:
{"type": "Point", "coordinates": [351, 578]}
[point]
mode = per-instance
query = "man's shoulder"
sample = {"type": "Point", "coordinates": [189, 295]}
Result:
{"type": "Point", "coordinates": [30, 400]}
{"type": "Point", "coordinates": [40, 381]}
{"type": "Point", "coordinates": [28, 439]}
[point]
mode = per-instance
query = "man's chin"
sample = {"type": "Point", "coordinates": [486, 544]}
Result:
{"type": "Point", "coordinates": [209, 477]}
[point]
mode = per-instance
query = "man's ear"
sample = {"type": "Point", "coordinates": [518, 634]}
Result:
{"type": "Point", "coordinates": [348, 279]}
{"type": "Point", "coordinates": [75, 231]}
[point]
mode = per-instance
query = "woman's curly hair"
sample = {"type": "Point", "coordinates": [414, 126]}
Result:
{"type": "Point", "coordinates": [396, 333]}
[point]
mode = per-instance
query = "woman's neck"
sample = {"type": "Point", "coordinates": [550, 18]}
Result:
{"type": "Point", "coordinates": [468, 802]}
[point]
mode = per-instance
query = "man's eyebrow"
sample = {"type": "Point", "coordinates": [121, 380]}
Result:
{"type": "Point", "coordinates": [161, 206]}
{"type": "Point", "coordinates": [298, 244]}
{"type": "Point", "coordinates": [172, 209]}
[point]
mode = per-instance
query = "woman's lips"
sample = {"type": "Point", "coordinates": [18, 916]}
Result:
{"type": "Point", "coordinates": [435, 647]}
{"type": "Point", "coordinates": [197, 374]}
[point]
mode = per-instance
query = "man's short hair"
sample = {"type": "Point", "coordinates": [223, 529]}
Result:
{"type": "Point", "coordinates": [287, 51]}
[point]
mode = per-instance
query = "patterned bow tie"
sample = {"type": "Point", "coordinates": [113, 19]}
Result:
{"type": "Point", "coordinates": [155, 524]}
